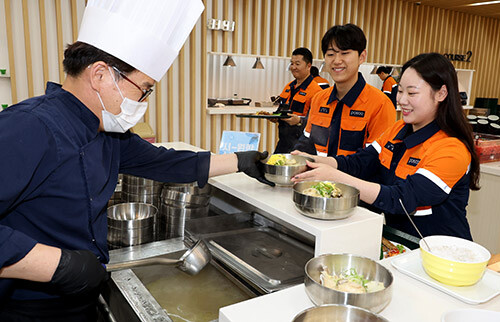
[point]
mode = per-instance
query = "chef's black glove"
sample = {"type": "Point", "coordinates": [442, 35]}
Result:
{"type": "Point", "coordinates": [250, 163]}
{"type": "Point", "coordinates": [79, 272]}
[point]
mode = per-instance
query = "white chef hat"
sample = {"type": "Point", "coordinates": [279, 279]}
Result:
{"type": "Point", "coordinates": [146, 34]}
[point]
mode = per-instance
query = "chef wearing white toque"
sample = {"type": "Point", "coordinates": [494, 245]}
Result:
{"type": "Point", "coordinates": [63, 151]}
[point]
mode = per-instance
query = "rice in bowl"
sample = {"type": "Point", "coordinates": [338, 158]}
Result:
{"type": "Point", "coordinates": [454, 261]}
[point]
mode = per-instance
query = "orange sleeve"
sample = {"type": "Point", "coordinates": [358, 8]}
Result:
{"type": "Point", "coordinates": [447, 159]}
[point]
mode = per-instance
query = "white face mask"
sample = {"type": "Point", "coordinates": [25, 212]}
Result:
{"type": "Point", "coordinates": [131, 113]}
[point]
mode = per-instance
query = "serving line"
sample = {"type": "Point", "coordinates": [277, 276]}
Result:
{"type": "Point", "coordinates": [412, 301]}
{"type": "Point", "coordinates": [359, 234]}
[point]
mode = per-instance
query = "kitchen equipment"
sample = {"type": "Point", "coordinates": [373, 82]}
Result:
{"type": "Point", "coordinates": [266, 258]}
{"type": "Point", "coordinates": [130, 224]}
{"type": "Point", "coordinates": [484, 290]}
{"type": "Point", "coordinates": [454, 261]}
{"type": "Point", "coordinates": [282, 174]}
{"type": "Point", "coordinates": [323, 207]}
{"type": "Point", "coordinates": [337, 312]}
{"type": "Point", "coordinates": [414, 226]}
{"type": "Point", "coordinates": [180, 202]}
{"type": "Point", "coordinates": [138, 189]}
{"type": "Point", "coordinates": [191, 188]}
{"type": "Point", "coordinates": [338, 263]}
{"type": "Point", "coordinates": [487, 147]}
{"type": "Point", "coordinates": [191, 262]}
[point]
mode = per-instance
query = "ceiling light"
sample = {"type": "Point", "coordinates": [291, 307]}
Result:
{"type": "Point", "coordinates": [484, 3]}
{"type": "Point", "coordinates": [229, 62]}
{"type": "Point", "coordinates": [258, 64]}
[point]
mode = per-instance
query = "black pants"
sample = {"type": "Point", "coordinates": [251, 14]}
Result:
{"type": "Point", "coordinates": [67, 309]}
{"type": "Point", "coordinates": [288, 136]}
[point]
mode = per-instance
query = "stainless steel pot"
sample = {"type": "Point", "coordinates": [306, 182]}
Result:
{"type": "Point", "coordinates": [337, 263]}
{"type": "Point", "coordinates": [191, 262]}
{"type": "Point", "coordinates": [282, 174]}
{"type": "Point", "coordinates": [337, 312]}
{"type": "Point", "coordinates": [322, 207]}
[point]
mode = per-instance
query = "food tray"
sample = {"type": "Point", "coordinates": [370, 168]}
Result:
{"type": "Point", "coordinates": [487, 288]}
{"type": "Point", "coordinates": [266, 258]}
{"type": "Point", "coordinates": [254, 116]}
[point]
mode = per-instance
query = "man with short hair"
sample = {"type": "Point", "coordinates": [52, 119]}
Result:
{"type": "Point", "coordinates": [62, 152]}
{"type": "Point", "coordinates": [296, 96]}
{"type": "Point", "coordinates": [390, 86]}
{"type": "Point", "coordinates": [351, 114]}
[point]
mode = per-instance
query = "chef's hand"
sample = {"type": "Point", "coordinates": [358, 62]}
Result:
{"type": "Point", "coordinates": [249, 162]}
{"type": "Point", "coordinates": [78, 272]}
{"type": "Point", "coordinates": [320, 171]}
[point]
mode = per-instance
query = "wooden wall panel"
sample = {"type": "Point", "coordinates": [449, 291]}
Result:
{"type": "Point", "coordinates": [396, 31]}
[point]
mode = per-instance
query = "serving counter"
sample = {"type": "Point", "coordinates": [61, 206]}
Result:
{"type": "Point", "coordinates": [412, 301]}
{"type": "Point", "coordinates": [359, 234]}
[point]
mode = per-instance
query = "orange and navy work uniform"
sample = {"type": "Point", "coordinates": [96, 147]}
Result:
{"type": "Point", "coordinates": [322, 82]}
{"type": "Point", "coordinates": [298, 100]}
{"type": "Point", "coordinates": [341, 127]}
{"type": "Point", "coordinates": [427, 169]}
{"type": "Point", "coordinates": [390, 88]}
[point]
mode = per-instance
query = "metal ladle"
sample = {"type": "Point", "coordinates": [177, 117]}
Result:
{"type": "Point", "coordinates": [415, 226]}
{"type": "Point", "coordinates": [191, 262]}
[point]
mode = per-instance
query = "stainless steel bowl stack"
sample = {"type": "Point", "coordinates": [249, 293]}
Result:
{"type": "Point", "coordinates": [323, 207]}
{"type": "Point", "coordinates": [337, 312]}
{"type": "Point", "coordinates": [179, 202]}
{"type": "Point", "coordinates": [130, 224]}
{"type": "Point", "coordinates": [337, 263]}
{"type": "Point", "coordinates": [282, 174]}
{"type": "Point", "coordinates": [137, 189]}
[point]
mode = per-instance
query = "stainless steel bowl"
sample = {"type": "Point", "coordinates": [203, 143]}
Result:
{"type": "Point", "coordinates": [131, 224]}
{"type": "Point", "coordinates": [282, 174]}
{"type": "Point", "coordinates": [191, 188]}
{"type": "Point", "coordinates": [337, 263]}
{"type": "Point", "coordinates": [322, 207]}
{"type": "Point", "coordinates": [337, 312]}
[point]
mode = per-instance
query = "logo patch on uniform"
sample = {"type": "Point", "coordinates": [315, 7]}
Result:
{"type": "Point", "coordinates": [389, 146]}
{"type": "Point", "coordinates": [413, 161]}
{"type": "Point", "coordinates": [303, 93]}
{"type": "Point", "coordinates": [325, 110]}
{"type": "Point", "coordinates": [287, 90]}
{"type": "Point", "coordinates": [357, 113]}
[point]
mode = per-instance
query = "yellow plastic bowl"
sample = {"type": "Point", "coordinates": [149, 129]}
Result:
{"type": "Point", "coordinates": [450, 271]}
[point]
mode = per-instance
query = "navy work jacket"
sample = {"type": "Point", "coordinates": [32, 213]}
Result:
{"type": "Point", "coordinates": [58, 172]}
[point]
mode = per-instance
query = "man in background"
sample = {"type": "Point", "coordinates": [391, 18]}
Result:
{"type": "Point", "coordinates": [296, 96]}
{"type": "Point", "coordinates": [322, 82]}
{"type": "Point", "coordinates": [390, 86]}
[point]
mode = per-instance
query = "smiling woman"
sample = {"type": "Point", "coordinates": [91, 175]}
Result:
{"type": "Point", "coordinates": [427, 159]}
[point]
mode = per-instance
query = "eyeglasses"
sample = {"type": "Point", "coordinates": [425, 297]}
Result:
{"type": "Point", "coordinates": [145, 93]}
